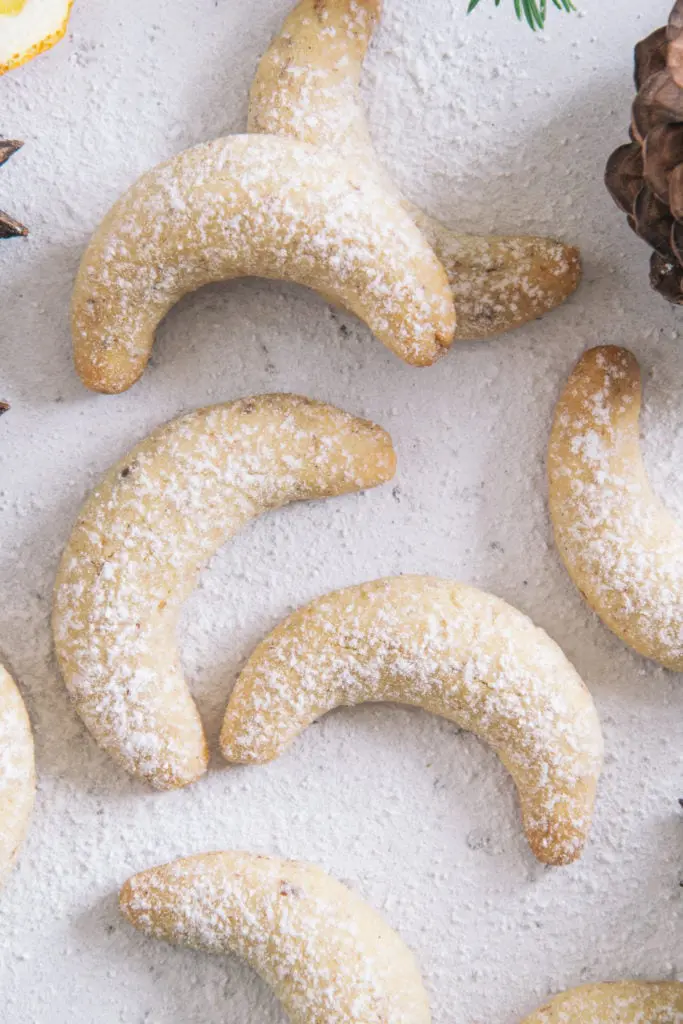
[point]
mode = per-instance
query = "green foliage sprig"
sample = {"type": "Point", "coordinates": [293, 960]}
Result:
{"type": "Point", "coordinates": [533, 10]}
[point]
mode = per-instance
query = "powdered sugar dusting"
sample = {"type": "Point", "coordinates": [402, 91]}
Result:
{"type": "Point", "coordinates": [451, 650]}
{"type": "Point", "coordinates": [621, 546]}
{"type": "Point", "coordinates": [328, 956]}
{"type": "Point", "coordinates": [494, 128]}
{"type": "Point", "coordinates": [307, 88]}
{"type": "Point", "coordinates": [147, 531]}
{"type": "Point", "coordinates": [253, 206]}
{"type": "Point", "coordinates": [17, 782]}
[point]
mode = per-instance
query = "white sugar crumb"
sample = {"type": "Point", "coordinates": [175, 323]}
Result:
{"type": "Point", "coordinates": [329, 957]}
{"type": "Point", "coordinates": [147, 531]}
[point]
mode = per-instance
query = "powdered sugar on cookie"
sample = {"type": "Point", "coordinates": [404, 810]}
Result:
{"type": "Point", "coordinates": [147, 531]}
{"type": "Point", "coordinates": [328, 956]}
{"type": "Point", "coordinates": [306, 88]}
{"type": "Point", "coordinates": [621, 546]}
{"type": "Point", "coordinates": [254, 206]}
{"type": "Point", "coordinates": [452, 650]}
{"type": "Point", "coordinates": [17, 773]}
{"type": "Point", "coordinates": [624, 1002]}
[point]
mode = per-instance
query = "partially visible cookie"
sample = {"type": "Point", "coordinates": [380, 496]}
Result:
{"type": "Point", "coordinates": [327, 955]}
{"type": "Point", "coordinates": [17, 772]}
{"type": "Point", "coordinates": [621, 546]}
{"type": "Point", "coordinates": [621, 1002]}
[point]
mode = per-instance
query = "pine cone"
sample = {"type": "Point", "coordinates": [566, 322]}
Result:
{"type": "Point", "coordinates": [645, 177]}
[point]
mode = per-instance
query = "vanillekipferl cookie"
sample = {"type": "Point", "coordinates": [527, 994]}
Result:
{"type": "Point", "coordinates": [252, 205]}
{"type": "Point", "coordinates": [17, 772]}
{"type": "Point", "coordinates": [447, 648]}
{"type": "Point", "coordinates": [620, 1002]}
{"type": "Point", "coordinates": [621, 546]}
{"type": "Point", "coordinates": [327, 955]}
{"type": "Point", "coordinates": [306, 88]}
{"type": "Point", "coordinates": [144, 535]}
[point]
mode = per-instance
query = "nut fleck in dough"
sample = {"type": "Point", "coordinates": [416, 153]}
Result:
{"type": "Point", "coordinates": [306, 88]}
{"type": "Point", "coordinates": [329, 958]}
{"type": "Point", "coordinates": [452, 650]}
{"type": "Point", "coordinates": [253, 205]}
{"type": "Point", "coordinates": [622, 1002]}
{"type": "Point", "coordinates": [148, 529]}
{"type": "Point", "coordinates": [622, 548]}
{"type": "Point", "coordinates": [17, 772]}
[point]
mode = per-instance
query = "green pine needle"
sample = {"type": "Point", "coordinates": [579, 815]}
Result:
{"type": "Point", "coordinates": [533, 10]}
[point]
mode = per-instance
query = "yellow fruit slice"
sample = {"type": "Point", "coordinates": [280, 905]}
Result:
{"type": "Point", "coordinates": [28, 27]}
{"type": "Point", "coordinates": [11, 6]}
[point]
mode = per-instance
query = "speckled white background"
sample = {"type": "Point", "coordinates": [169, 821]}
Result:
{"type": "Point", "coordinates": [494, 129]}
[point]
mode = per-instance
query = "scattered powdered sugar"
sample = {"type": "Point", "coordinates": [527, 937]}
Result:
{"type": "Point", "coordinates": [147, 531]}
{"type": "Point", "coordinates": [328, 956]}
{"type": "Point", "coordinates": [449, 649]}
{"type": "Point", "coordinates": [622, 547]}
{"type": "Point", "coordinates": [17, 782]}
{"type": "Point", "coordinates": [307, 88]}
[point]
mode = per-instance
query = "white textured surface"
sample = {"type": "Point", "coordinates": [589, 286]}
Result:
{"type": "Point", "coordinates": [493, 128]}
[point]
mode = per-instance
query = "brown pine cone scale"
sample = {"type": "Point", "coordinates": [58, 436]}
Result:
{"type": "Point", "coordinates": [650, 56]}
{"type": "Point", "coordinates": [624, 175]}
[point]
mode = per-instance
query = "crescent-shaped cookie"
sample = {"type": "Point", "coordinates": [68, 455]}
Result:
{"type": "Point", "coordinates": [148, 529]}
{"type": "Point", "coordinates": [306, 88]}
{"type": "Point", "coordinates": [252, 205]}
{"type": "Point", "coordinates": [329, 958]}
{"type": "Point", "coordinates": [452, 650]}
{"type": "Point", "coordinates": [622, 1002]}
{"type": "Point", "coordinates": [17, 772]}
{"type": "Point", "coordinates": [622, 548]}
